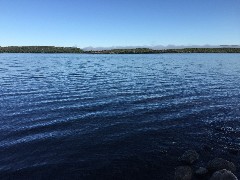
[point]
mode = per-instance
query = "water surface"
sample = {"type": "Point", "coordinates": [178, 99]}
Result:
{"type": "Point", "coordinates": [124, 116]}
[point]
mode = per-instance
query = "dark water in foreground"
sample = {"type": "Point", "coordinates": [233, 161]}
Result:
{"type": "Point", "coordinates": [115, 116]}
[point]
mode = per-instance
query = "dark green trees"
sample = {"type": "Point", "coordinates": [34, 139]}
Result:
{"type": "Point", "coordinates": [39, 49]}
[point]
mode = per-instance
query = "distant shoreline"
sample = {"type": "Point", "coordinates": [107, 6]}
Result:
{"type": "Point", "coordinates": [75, 50]}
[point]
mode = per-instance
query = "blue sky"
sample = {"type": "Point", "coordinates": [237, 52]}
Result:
{"type": "Point", "coordinates": [103, 23]}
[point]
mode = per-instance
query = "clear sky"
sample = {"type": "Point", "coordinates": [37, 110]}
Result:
{"type": "Point", "coordinates": [102, 23]}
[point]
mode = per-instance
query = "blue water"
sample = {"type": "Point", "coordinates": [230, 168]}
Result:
{"type": "Point", "coordinates": [115, 116]}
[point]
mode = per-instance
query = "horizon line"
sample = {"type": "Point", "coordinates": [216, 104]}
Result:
{"type": "Point", "coordinates": [154, 47]}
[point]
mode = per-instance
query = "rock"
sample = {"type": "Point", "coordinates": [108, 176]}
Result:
{"type": "Point", "coordinates": [189, 157]}
{"type": "Point", "coordinates": [201, 171]}
{"type": "Point", "coordinates": [219, 164]}
{"type": "Point", "coordinates": [223, 175]}
{"type": "Point", "coordinates": [183, 173]}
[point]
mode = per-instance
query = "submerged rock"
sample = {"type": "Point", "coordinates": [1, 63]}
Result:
{"type": "Point", "coordinates": [219, 164]}
{"type": "Point", "coordinates": [201, 171]}
{"type": "Point", "coordinates": [183, 173]}
{"type": "Point", "coordinates": [189, 157]}
{"type": "Point", "coordinates": [223, 175]}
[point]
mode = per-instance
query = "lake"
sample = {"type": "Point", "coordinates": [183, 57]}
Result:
{"type": "Point", "coordinates": [73, 116]}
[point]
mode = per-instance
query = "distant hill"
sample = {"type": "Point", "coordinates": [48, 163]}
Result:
{"type": "Point", "coordinates": [159, 47]}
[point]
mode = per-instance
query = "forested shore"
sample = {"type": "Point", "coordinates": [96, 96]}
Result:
{"type": "Point", "coordinates": [39, 49]}
{"type": "Point", "coordinates": [152, 51]}
{"type": "Point", "coordinates": [53, 49]}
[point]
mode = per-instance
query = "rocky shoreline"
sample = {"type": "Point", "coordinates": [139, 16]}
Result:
{"type": "Point", "coordinates": [216, 169]}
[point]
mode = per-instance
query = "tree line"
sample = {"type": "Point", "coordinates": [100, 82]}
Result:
{"type": "Point", "coordinates": [151, 51]}
{"type": "Point", "coordinates": [39, 49]}
{"type": "Point", "coordinates": [53, 49]}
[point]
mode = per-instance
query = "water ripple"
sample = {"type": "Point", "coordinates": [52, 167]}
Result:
{"type": "Point", "coordinates": [76, 109]}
